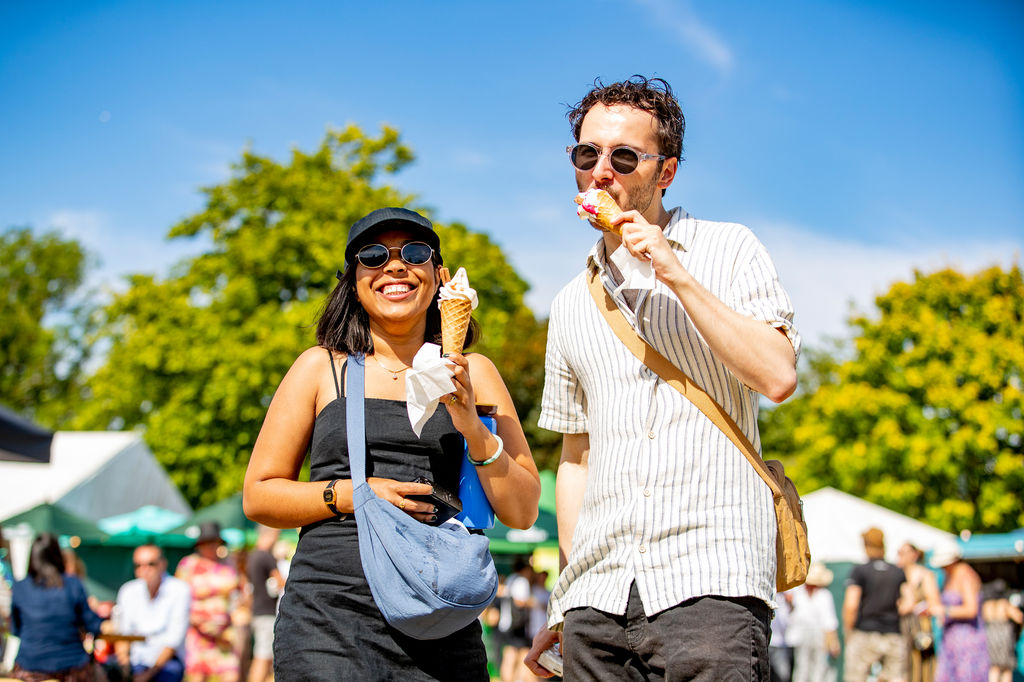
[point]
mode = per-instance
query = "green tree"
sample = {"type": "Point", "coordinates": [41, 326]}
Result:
{"type": "Point", "coordinates": [926, 417]}
{"type": "Point", "coordinates": [195, 359]}
{"type": "Point", "coordinates": [41, 323]}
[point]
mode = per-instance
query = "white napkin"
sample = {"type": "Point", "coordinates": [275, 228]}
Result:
{"type": "Point", "coordinates": [636, 273]}
{"type": "Point", "coordinates": [428, 380]}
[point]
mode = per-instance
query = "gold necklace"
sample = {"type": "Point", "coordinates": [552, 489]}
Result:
{"type": "Point", "coordinates": [394, 372]}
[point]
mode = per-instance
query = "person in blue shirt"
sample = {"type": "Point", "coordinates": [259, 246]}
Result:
{"type": "Point", "coordinates": [49, 611]}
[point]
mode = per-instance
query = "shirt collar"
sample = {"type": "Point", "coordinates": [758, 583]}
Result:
{"type": "Point", "coordinates": [680, 233]}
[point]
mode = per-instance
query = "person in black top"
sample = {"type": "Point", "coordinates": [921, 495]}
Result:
{"type": "Point", "coordinates": [267, 583]}
{"type": "Point", "coordinates": [384, 306]}
{"type": "Point", "coordinates": [871, 618]}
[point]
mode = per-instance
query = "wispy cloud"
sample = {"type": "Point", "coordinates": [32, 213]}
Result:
{"type": "Point", "coordinates": [695, 35]}
{"type": "Point", "coordinates": [87, 226]}
{"type": "Point", "coordinates": [829, 278]}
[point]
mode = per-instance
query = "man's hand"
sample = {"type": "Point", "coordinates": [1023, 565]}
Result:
{"type": "Point", "coordinates": [542, 641]}
{"type": "Point", "coordinates": [648, 243]}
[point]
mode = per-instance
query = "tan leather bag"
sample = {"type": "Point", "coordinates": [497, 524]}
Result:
{"type": "Point", "coordinates": [792, 553]}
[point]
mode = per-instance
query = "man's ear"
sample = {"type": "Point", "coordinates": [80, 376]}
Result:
{"type": "Point", "coordinates": [668, 172]}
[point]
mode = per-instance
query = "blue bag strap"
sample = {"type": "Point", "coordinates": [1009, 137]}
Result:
{"type": "Point", "coordinates": [355, 419]}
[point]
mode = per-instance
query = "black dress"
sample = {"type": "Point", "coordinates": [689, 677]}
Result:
{"type": "Point", "coordinates": [328, 626]}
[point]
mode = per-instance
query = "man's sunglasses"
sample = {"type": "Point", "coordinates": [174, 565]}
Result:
{"type": "Point", "coordinates": [624, 159]}
{"type": "Point", "coordinates": [150, 564]}
{"type": "Point", "coordinates": [376, 255]}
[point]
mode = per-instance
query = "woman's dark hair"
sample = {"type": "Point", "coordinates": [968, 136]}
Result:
{"type": "Point", "coordinates": [652, 95]}
{"type": "Point", "coordinates": [344, 325]}
{"type": "Point", "coordinates": [46, 562]}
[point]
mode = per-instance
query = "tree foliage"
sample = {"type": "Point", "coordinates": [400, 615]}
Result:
{"type": "Point", "coordinates": [40, 323]}
{"type": "Point", "coordinates": [195, 359]}
{"type": "Point", "coordinates": [926, 418]}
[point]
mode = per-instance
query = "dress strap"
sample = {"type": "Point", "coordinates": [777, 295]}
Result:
{"type": "Point", "coordinates": [334, 372]}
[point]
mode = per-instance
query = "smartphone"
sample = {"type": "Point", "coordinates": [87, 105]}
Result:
{"type": "Point", "coordinates": [447, 503]}
{"type": "Point", "coordinates": [551, 659]}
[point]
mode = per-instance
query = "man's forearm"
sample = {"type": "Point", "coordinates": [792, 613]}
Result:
{"type": "Point", "coordinates": [761, 356]}
{"type": "Point", "coordinates": [570, 484]}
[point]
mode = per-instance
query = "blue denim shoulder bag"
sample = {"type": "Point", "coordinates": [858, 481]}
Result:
{"type": "Point", "coordinates": [427, 581]}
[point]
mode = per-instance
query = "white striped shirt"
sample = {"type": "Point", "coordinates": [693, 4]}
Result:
{"type": "Point", "coordinates": [669, 501]}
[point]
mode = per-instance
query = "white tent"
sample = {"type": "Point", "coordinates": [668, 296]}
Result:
{"type": "Point", "coordinates": [94, 474]}
{"type": "Point", "coordinates": [835, 521]}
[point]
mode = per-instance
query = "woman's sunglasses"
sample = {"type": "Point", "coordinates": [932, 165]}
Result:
{"type": "Point", "coordinates": [376, 255]}
{"type": "Point", "coordinates": [624, 159]}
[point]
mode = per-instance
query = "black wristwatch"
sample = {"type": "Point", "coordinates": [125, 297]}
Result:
{"type": "Point", "coordinates": [329, 498]}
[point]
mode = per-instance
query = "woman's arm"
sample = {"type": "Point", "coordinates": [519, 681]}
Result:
{"type": "Point", "coordinates": [272, 494]}
{"type": "Point", "coordinates": [511, 482]}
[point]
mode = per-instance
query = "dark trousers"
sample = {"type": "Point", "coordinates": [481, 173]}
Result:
{"type": "Point", "coordinates": [716, 639]}
{"type": "Point", "coordinates": [172, 671]}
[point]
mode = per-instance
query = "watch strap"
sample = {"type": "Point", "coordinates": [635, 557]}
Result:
{"type": "Point", "coordinates": [329, 498]}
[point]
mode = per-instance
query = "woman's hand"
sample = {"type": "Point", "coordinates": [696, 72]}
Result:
{"type": "Point", "coordinates": [461, 403]}
{"type": "Point", "coordinates": [398, 492]}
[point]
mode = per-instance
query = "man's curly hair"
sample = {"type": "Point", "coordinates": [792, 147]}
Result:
{"type": "Point", "coordinates": [653, 95]}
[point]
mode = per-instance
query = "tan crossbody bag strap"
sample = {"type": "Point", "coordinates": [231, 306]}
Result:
{"type": "Point", "coordinates": [677, 379]}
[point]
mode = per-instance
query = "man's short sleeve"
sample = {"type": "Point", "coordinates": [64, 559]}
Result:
{"type": "Point", "coordinates": [757, 292]}
{"type": "Point", "coordinates": [563, 403]}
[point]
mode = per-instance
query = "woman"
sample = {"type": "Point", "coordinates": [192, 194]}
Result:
{"type": "Point", "coordinates": [1003, 621]}
{"type": "Point", "coordinates": [963, 656]}
{"type": "Point", "coordinates": [918, 597]}
{"type": "Point", "coordinates": [49, 611]}
{"type": "Point", "coordinates": [384, 306]}
{"type": "Point", "coordinates": [209, 644]}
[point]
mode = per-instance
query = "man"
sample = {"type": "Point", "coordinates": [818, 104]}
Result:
{"type": "Point", "coordinates": [156, 606]}
{"type": "Point", "coordinates": [267, 584]}
{"type": "Point", "coordinates": [871, 618]}
{"type": "Point", "coordinates": [666, 531]}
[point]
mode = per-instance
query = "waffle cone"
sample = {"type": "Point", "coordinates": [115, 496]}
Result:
{"type": "Point", "coordinates": [455, 316]}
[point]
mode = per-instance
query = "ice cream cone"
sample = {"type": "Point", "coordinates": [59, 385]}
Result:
{"type": "Point", "coordinates": [455, 316]}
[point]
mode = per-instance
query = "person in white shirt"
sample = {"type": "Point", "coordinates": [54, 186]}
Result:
{"type": "Point", "coordinates": [814, 628]}
{"type": "Point", "coordinates": [156, 606]}
{"type": "Point", "coordinates": [667, 533]}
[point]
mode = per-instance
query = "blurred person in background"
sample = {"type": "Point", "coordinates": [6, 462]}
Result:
{"type": "Point", "coordinates": [1003, 619]}
{"type": "Point", "coordinates": [267, 583]}
{"type": "Point", "coordinates": [6, 581]}
{"type": "Point", "coordinates": [209, 646]}
{"type": "Point", "coordinates": [920, 594]}
{"type": "Point", "coordinates": [813, 628]}
{"type": "Point", "coordinates": [241, 612]}
{"type": "Point", "coordinates": [539, 596]}
{"type": "Point", "coordinates": [514, 622]}
{"type": "Point", "coordinates": [871, 617]}
{"type": "Point", "coordinates": [963, 655]}
{"type": "Point", "coordinates": [49, 611]}
{"type": "Point", "coordinates": [156, 606]}
{"type": "Point", "coordinates": [780, 651]}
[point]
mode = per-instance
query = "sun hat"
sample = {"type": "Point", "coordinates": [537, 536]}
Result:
{"type": "Point", "coordinates": [209, 531]}
{"type": "Point", "coordinates": [945, 556]}
{"type": "Point", "coordinates": [818, 575]}
{"type": "Point", "coordinates": [389, 218]}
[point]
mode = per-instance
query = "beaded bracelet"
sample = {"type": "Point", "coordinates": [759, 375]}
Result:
{"type": "Point", "coordinates": [493, 458]}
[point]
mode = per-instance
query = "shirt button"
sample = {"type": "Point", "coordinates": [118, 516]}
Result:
{"type": "Point", "coordinates": [647, 492]}
{"type": "Point", "coordinates": [650, 434]}
{"type": "Point", "coordinates": [643, 548]}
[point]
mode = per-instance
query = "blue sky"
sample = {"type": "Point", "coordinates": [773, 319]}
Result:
{"type": "Point", "coordinates": [859, 140]}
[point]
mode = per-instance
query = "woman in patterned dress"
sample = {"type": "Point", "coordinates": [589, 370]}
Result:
{"type": "Point", "coordinates": [209, 646]}
{"type": "Point", "coordinates": [963, 653]}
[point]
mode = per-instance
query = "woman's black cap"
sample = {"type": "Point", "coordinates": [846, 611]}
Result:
{"type": "Point", "coordinates": [390, 218]}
